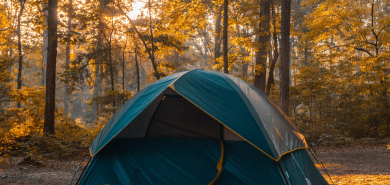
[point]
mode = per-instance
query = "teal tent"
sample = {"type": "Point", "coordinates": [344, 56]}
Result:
{"type": "Point", "coordinates": [200, 127]}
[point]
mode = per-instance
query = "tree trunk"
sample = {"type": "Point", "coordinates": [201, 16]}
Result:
{"type": "Point", "coordinates": [137, 67]}
{"type": "Point", "coordinates": [157, 74]}
{"type": "Point", "coordinates": [285, 55]}
{"type": "Point", "coordinates": [261, 55]}
{"type": "Point", "coordinates": [96, 84]}
{"type": "Point", "coordinates": [217, 37]}
{"type": "Point", "coordinates": [123, 68]}
{"type": "Point", "coordinates": [111, 68]}
{"type": "Point", "coordinates": [204, 35]}
{"type": "Point", "coordinates": [245, 69]}
{"type": "Point", "coordinates": [176, 58]}
{"type": "Point", "coordinates": [95, 91]}
{"type": "Point", "coordinates": [48, 125]}
{"type": "Point", "coordinates": [225, 37]}
{"type": "Point", "coordinates": [67, 59]}
{"type": "Point", "coordinates": [271, 78]}
{"type": "Point", "coordinates": [97, 65]}
{"type": "Point", "coordinates": [20, 67]}
{"type": "Point", "coordinates": [290, 60]}
{"type": "Point", "coordinates": [45, 48]}
{"type": "Point", "coordinates": [243, 51]}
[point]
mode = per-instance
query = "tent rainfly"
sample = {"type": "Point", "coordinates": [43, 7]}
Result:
{"type": "Point", "coordinates": [200, 127]}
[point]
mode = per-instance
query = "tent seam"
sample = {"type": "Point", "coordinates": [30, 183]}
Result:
{"type": "Point", "coordinates": [240, 135]}
{"type": "Point", "coordinates": [250, 103]}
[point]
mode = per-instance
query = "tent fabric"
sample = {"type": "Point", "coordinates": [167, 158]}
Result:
{"type": "Point", "coordinates": [300, 169]}
{"type": "Point", "coordinates": [164, 161]}
{"type": "Point", "coordinates": [171, 161]}
{"type": "Point", "coordinates": [244, 164]}
{"type": "Point", "coordinates": [219, 99]}
{"type": "Point", "coordinates": [229, 100]}
{"type": "Point", "coordinates": [285, 136]}
{"type": "Point", "coordinates": [171, 133]}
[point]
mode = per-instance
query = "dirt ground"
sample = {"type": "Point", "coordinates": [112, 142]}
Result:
{"type": "Point", "coordinates": [356, 164]}
{"type": "Point", "coordinates": [346, 165]}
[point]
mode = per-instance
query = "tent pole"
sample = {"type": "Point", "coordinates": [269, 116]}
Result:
{"type": "Point", "coordinates": [154, 114]}
{"type": "Point", "coordinates": [78, 167]}
{"type": "Point", "coordinates": [82, 173]}
{"type": "Point", "coordinates": [280, 169]}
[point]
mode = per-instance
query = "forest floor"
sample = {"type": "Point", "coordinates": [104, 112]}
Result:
{"type": "Point", "coordinates": [363, 164]}
{"type": "Point", "coordinates": [369, 164]}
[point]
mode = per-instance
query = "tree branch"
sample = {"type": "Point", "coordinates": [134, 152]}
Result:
{"type": "Point", "coordinates": [156, 74]}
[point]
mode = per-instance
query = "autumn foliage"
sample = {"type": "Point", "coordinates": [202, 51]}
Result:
{"type": "Point", "coordinates": [339, 63]}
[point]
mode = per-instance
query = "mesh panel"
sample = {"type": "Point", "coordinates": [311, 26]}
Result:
{"type": "Point", "coordinates": [178, 118]}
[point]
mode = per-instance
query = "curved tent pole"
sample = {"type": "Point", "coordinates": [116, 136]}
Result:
{"type": "Point", "coordinates": [78, 167]}
{"type": "Point", "coordinates": [319, 161]}
{"type": "Point", "coordinates": [82, 173]}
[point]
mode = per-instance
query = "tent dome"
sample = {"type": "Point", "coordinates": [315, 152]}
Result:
{"type": "Point", "coordinates": [202, 127]}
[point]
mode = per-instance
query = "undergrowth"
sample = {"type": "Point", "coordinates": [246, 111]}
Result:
{"type": "Point", "coordinates": [21, 131]}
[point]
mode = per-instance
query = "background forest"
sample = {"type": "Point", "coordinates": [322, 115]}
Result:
{"type": "Point", "coordinates": [110, 49]}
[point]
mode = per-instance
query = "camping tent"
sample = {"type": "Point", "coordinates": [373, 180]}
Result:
{"type": "Point", "coordinates": [200, 127]}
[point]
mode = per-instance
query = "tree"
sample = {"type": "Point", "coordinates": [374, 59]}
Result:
{"type": "Point", "coordinates": [19, 79]}
{"type": "Point", "coordinates": [98, 61]}
{"type": "Point", "coordinates": [67, 57]}
{"type": "Point", "coordinates": [285, 56]}
{"type": "Point", "coordinates": [149, 50]}
{"type": "Point", "coordinates": [263, 40]}
{"type": "Point", "coordinates": [137, 66]}
{"type": "Point", "coordinates": [225, 37]}
{"type": "Point", "coordinates": [48, 125]}
{"type": "Point", "coordinates": [45, 47]}
{"type": "Point", "coordinates": [271, 79]}
{"type": "Point", "coordinates": [217, 36]}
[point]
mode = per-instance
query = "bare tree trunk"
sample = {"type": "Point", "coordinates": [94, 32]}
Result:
{"type": "Point", "coordinates": [261, 55]}
{"type": "Point", "coordinates": [157, 74]}
{"type": "Point", "coordinates": [97, 66]}
{"type": "Point", "coordinates": [96, 84]}
{"type": "Point", "coordinates": [243, 51]}
{"type": "Point", "coordinates": [271, 78]}
{"type": "Point", "coordinates": [176, 58]}
{"type": "Point", "coordinates": [245, 69]}
{"type": "Point", "coordinates": [67, 59]}
{"type": "Point", "coordinates": [137, 67]}
{"type": "Point", "coordinates": [111, 70]}
{"type": "Point", "coordinates": [19, 79]}
{"type": "Point", "coordinates": [45, 48]}
{"type": "Point", "coordinates": [123, 68]}
{"type": "Point", "coordinates": [101, 80]}
{"type": "Point", "coordinates": [48, 125]}
{"type": "Point", "coordinates": [204, 35]}
{"type": "Point", "coordinates": [217, 37]}
{"type": "Point", "coordinates": [225, 37]}
{"type": "Point", "coordinates": [95, 90]}
{"type": "Point", "coordinates": [290, 60]}
{"type": "Point", "coordinates": [285, 55]}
